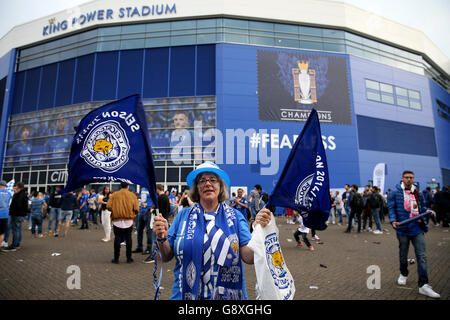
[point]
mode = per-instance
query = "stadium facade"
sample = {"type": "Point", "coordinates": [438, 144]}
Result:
{"type": "Point", "coordinates": [242, 75]}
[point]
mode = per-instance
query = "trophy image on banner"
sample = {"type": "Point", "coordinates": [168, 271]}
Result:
{"type": "Point", "coordinates": [304, 83]}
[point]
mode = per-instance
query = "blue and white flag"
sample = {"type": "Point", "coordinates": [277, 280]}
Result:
{"type": "Point", "coordinates": [112, 144]}
{"type": "Point", "coordinates": [304, 184]}
{"type": "Point", "coordinates": [10, 187]}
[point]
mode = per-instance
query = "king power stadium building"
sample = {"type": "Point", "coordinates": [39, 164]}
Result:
{"type": "Point", "coordinates": [229, 81]}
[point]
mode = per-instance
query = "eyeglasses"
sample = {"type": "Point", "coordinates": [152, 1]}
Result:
{"type": "Point", "coordinates": [408, 177]}
{"type": "Point", "coordinates": [203, 181]}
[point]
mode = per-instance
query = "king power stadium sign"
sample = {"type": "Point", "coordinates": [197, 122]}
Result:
{"type": "Point", "coordinates": [83, 19]}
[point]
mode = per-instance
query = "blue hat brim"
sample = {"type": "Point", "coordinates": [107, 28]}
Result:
{"type": "Point", "coordinates": [193, 174]}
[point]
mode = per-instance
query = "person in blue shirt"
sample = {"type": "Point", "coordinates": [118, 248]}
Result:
{"type": "Point", "coordinates": [37, 207]}
{"type": "Point", "coordinates": [5, 199]}
{"type": "Point", "coordinates": [209, 240]}
{"type": "Point", "coordinates": [240, 203]}
{"type": "Point", "coordinates": [20, 153]}
{"type": "Point", "coordinates": [143, 222]}
{"type": "Point", "coordinates": [405, 202]}
{"type": "Point", "coordinates": [58, 146]}
{"type": "Point", "coordinates": [84, 209]}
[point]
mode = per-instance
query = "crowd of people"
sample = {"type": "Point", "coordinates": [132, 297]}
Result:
{"type": "Point", "coordinates": [123, 212]}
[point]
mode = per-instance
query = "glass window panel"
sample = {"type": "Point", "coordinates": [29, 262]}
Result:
{"type": "Point", "coordinates": [188, 24]}
{"type": "Point", "coordinates": [132, 44]}
{"type": "Point", "coordinates": [286, 28]}
{"type": "Point", "coordinates": [158, 26]}
{"type": "Point", "coordinates": [401, 92]}
{"type": "Point", "coordinates": [235, 23]}
{"type": "Point", "coordinates": [268, 41]}
{"type": "Point", "coordinates": [333, 47]}
{"type": "Point", "coordinates": [370, 84]}
{"type": "Point", "coordinates": [354, 51]}
{"type": "Point", "coordinates": [110, 31]}
{"type": "Point", "coordinates": [133, 28]}
{"type": "Point", "coordinates": [287, 43]}
{"type": "Point", "coordinates": [182, 40]}
{"type": "Point", "coordinates": [206, 23]}
{"type": "Point", "coordinates": [373, 96]}
{"type": "Point", "coordinates": [311, 45]}
{"type": "Point", "coordinates": [260, 25]}
{"type": "Point", "coordinates": [333, 33]}
{"type": "Point", "coordinates": [88, 35]}
{"type": "Point", "coordinates": [310, 30]}
{"type": "Point", "coordinates": [415, 104]}
{"type": "Point", "coordinates": [402, 102]}
{"type": "Point", "coordinates": [387, 99]}
{"type": "Point", "coordinates": [154, 42]}
{"type": "Point", "coordinates": [386, 88]}
{"type": "Point", "coordinates": [235, 38]}
{"type": "Point", "coordinates": [206, 38]}
{"type": "Point", "coordinates": [414, 94]}
{"type": "Point", "coordinates": [108, 45]}
{"type": "Point", "coordinates": [353, 37]}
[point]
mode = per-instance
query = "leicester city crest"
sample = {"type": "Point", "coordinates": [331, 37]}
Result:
{"type": "Point", "coordinates": [106, 147]}
{"type": "Point", "coordinates": [275, 261]}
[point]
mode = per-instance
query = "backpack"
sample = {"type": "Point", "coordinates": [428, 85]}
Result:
{"type": "Point", "coordinates": [357, 201]}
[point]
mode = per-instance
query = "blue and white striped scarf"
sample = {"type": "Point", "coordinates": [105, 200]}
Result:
{"type": "Point", "coordinates": [224, 245]}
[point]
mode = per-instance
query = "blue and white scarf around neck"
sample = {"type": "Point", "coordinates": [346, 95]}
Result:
{"type": "Point", "coordinates": [229, 281]}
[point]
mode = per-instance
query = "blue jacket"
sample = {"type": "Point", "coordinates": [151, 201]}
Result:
{"type": "Point", "coordinates": [397, 212]}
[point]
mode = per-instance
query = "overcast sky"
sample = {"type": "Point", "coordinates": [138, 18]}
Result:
{"type": "Point", "coordinates": [432, 16]}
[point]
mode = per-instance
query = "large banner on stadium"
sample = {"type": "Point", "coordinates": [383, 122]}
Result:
{"type": "Point", "coordinates": [290, 84]}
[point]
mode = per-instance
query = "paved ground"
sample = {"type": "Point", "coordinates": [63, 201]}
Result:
{"type": "Point", "coordinates": [34, 273]}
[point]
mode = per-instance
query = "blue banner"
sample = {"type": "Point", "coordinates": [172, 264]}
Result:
{"type": "Point", "coordinates": [304, 183]}
{"type": "Point", "coordinates": [112, 144]}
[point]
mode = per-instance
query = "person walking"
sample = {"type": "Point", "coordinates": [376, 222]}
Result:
{"type": "Point", "coordinates": [303, 231]}
{"type": "Point", "coordinates": [356, 205]}
{"type": "Point", "coordinates": [405, 202]}
{"type": "Point", "coordinates": [17, 211]}
{"type": "Point", "coordinates": [106, 214]}
{"type": "Point", "coordinates": [209, 240]}
{"type": "Point", "coordinates": [68, 203]}
{"type": "Point", "coordinates": [84, 209]}
{"type": "Point", "coordinates": [143, 223]}
{"type": "Point", "coordinates": [124, 206]}
{"type": "Point", "coordinates": [375, 202]}
{"type": "Point", "coordinates": [5, 198]}
{"type": "Point", "coordinates": [339, 207]}
{"type": "Point", "coordinates": [55, 208]}
{"type": "Point", "coordinates": [38, 206]}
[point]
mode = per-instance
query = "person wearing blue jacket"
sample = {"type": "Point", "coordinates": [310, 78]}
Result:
{"type": "Point", "coordinates": [405, 202]}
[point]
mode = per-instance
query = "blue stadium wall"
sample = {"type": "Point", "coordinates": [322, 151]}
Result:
{"type": "Point", "coordinates": [400, 137]}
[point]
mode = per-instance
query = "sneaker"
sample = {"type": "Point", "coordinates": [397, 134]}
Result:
{"type": "Point", "coordinates": [377, 232]}
{"type": "Point", "coordinates": [316, 238]}
{"type": "Point", "coordinates": [9, 249]}
{"type": "Point", "coordinates": [123, 243]}
{"type": "Point", "coordinates": [299, 244]}
{"type": "Point", "coordinates": [137, 251]}
{"type": "Point", "coordinates": [40, 236]}
{"type": "Point", "coordinates": [428, 291]}
{"type": "Point", "coordinates": [311, 248]}
{"type": "Point", "coordinates": [146, 252]}
{"type": "Point", "coordinates": [130, 260]}
{"type": "Point", "coordinates": [4, 244]}
{"type": "Point", "coordinates": [50, 233]}
{"type": "Point", "coordinates": [401, 280]}
{"type": "Point", "coordinates": [116, 261]}
{"type": "Point", "coordinates": [149, 259]}
{"type": "Point", "coordinates": [56, 234]}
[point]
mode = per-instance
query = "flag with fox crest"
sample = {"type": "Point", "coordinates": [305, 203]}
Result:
{"type": "Point", "coordinates": [112, 144]}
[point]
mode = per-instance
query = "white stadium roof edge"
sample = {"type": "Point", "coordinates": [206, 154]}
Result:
{"type": "Point", "coordinates": [320, 13]}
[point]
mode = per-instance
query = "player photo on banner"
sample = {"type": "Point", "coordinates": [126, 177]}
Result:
{"type": "Point", "coordinates": [290, 84]}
